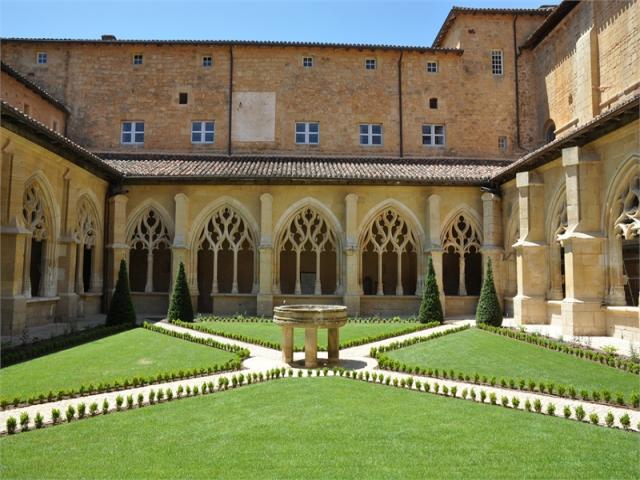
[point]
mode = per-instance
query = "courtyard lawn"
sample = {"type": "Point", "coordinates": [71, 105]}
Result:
{"type": "Point", "coordinates": [270, 332]}
{"type": "Point", "coordinates": [475, 350]}
{"type": "Point", "coordinates": [133, 353]}
{"type": "Point", "coordinates": [322, 428]}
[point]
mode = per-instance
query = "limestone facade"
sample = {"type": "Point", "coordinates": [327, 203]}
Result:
{"type": "Point", "coordinates": [559, 217]}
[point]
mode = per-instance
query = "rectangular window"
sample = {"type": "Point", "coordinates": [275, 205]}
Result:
{"type": "Point", "coordinates": [183, 98]}
{"type": "Point", "coordinates": [203, 132]}
{"type": "Point", "coordinates": [432, 67]}
{"type": "Point", "coordinates": [370, 134]}
{"type": "Point", "coordinates": [42, 58]}
{"type": "Point", "coordinates": [307, 133]}
{"type": "Point", "coordinates": [496, 62]}
{"type": "Point", "coordinates": [132, 133]}
{"type": "Point", "coordinates": [370, 64]}
{"type": "Point", "coordinates": [433, 135]}
{"type": "Point", "coordinates": [138, 59]}
{"type": "Point", "coordinates": [307, 62]}
{"type": "Point", "coordinates": [207, 61]}
{"type": "Point", "coordinates": [502, 143]}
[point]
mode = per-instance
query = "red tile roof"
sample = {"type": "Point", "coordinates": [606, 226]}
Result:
{"type": "Point", "coordinates": [289, 169]}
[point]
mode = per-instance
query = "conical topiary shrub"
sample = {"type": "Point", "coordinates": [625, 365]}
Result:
{"type": "Point", "coordinates": [430, 307]}
{"type": "Point", "coordinates": [489, 310]}
{"type": "Point", "coordinates": [181, 307]}
{"type": "Point", "coordinates": [121, 308]}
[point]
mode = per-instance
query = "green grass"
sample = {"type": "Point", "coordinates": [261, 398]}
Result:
{"type": "Point", "coordinates": [322, 428]}
{"type": "Point", "coordinates": [129, 354]}
{"type": "Point", "coordinates": [270, 332]}
{"type": "Point", "coordinates": [475, 350]}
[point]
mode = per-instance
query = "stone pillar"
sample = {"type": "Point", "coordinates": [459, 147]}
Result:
{"type": "Point", "coordinates": [352, 282]}
{"type": "Point", "coordinates": [333, 345]}
{"type": "Point", "coordinates": [69, 279]}
{"type": "Point", "coordinates": [583, 245]}
{"type": "Point", "coordinates": [179, 248]}
{"type": "Point", "coordinates": [265, 290]}
{"type": "Point", "coordinates": [433, 244]}
{"type": "Point", "coordinates": [311, 347]}
{"type": "Point", "coordinates": [118, 247]}
{"type": "Point", "coordinates": [529, 304]}
{"type": "Point", "coordinates": [287, 344]}
{"type": "Point", "coordinates": [492, 240]}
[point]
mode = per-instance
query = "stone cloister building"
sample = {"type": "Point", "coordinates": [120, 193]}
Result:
{"type": "Point", "coordinates": [285, 172]}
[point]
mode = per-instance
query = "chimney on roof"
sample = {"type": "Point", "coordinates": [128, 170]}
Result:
{"type": "Point", "coordinates": [108, 37]}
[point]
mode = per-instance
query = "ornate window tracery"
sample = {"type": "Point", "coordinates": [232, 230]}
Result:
{"type": "Point", "coordinates": [387, 236]}
{"type": "Point", "coordinates": [149, 236]}
{"type": "Point", "coordinates": [85, 234]}
{"type": "Point", "coordinates": [462, 241]}
{"type": "Point", "coordinates": [626, 228]}
{"type": "Point", "coordinates": [227, 236]}
{"type": "Point", "coordinates": [558, 228]}
{"type": "Point", "coordinates": [308, 249]}
{"type": "Point", "coordinates": [35, 256]}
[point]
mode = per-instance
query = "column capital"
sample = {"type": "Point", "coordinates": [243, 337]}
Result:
{"type": "Point", "coordinates": [528, 179]}
{"type": "Point", "coordinates": [572, 156]}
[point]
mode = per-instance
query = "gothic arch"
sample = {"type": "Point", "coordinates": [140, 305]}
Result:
{"type": "Point", "coordinates": [621, 226]}
{"type": "Point", "coordinates": [87, 234]}
{"type": "Point", "coordinates": [309, 237]}
{"type": "Point", "coordinates": [41, 217]}
{"type": "Point", "coordinates": [224, 247]}
{"type": "Point", "coordinates": [556, 226]}
{"type": "Point", "coordinates": [149, 237]}
{"type": "Point", "coordinates": [461, 240]}
{"type": "Point", "coordinates": [390, 243]}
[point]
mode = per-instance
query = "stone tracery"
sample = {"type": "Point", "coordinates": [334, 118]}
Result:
{"type": "Point", "coordinates": [36, 261]}
{"type": "Point", "coordinates": [462, 239]}
{"type": "Point", "coordinates": [84, 234]}
{"type": "Point", "coordinates": [149, 234]}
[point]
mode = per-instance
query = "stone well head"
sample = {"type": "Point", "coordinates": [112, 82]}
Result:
{"type": "Point", "coordinates": [320, 316]}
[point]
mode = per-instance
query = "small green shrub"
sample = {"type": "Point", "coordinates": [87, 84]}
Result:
{"type": "Point", "coordinates": [11, 425]}
{"type": "Point", "coordinates": [567, 411]}
{"type": "Point", "coordinates": [430, 306]}
{"type": "Point", "coordinates": [515, 401]}
{"type": "Point", "coordinates": [551, 409]}
{"type": "Point", "coordinates": [93, 409]}
{"type": "Point", "coordinates": [594, 418]}
{"type": "Point", "coordinates": [181, 307]}
{"type": "Point", "coordinates": [580, 413]}
{"type": "Point", "coordinates": [504, 401]}
{"type": "Point", "coordinates": [527, 405]}
{"type": "Point", "coordinates": [70, 413]}
{"type": "Point", "coordinates": [121, 307]}
{"type": "Point", "coordinates": [38, 420]}
{"type": "Point", "coordinates": [129, 402]}
{"type": "Point", "coordinates": [82, 410]}
{"type": "Point", "coordinates": [24, 421]}
{"type": "Point", "coordinates": [493, 399]}
{"type": "Point", "coordinates": [488, 310]}
{"type": "Point", "coordinates": [105, 407]}
{"type": "Point", "coordinates": [625, 421]}
{"type": "Point", "coordinates": [609, 419]}
{"type": "Point", "coordinates": [119, 402]}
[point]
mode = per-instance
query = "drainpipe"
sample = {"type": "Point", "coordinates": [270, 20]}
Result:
{"type": "Point", "coordinates": [230, 96]}
{"type": "Point", "coordinates": [515, 62]}
{"type": "Point", "coordinates": [400, 101]}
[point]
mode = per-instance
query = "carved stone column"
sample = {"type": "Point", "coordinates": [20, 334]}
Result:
{"type": "Point", "coordinates": [118, 247]}
{"type": "Point", "coordinates": [352, 282]}
{"type": "Point", "coordinates": [433, 244]}
{"type": "Point", "coordinates": [583, 245]}
{"type": "Point", "coordinates": [265, 291]}
{"type": "Point", "coordinates": [493, 240]}
{"type": "Point", "coordinates": [531, 252]}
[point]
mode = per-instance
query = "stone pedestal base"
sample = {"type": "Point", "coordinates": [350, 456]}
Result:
{"type": "Point", "coordinates": [333, 342]}
{"type": "Point", "coordinates": [529, 310]}
{"type": "Point", "coordinates": [287, 344]}
{"type": "Point", "coordinates": [264, 305]}
{"type": "Point", "coordinates": [311, 347]}
{"type": "Point", "coordinates": [583, 318]}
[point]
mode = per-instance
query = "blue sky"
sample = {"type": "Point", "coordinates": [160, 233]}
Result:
{"type": "Point", "coordinates": [387, 22]}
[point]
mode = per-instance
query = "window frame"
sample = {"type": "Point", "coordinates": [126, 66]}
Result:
{"type": "Point", "coordinates": [433, 103]}
{"type": "Point", "coordinates": [503, 139]}
{"type": "Point", "coordinates": [433, 135]}
{"type": "Point", "coordinates": [133, 132]}
{"type": "Point", "coordinates": [430, 63]}
{"type": "Point", "coordinates": [370, 61]}
{"type": "Point", "coordinates": [497, 60]}
{"type": "Point", "coordinates": [307, 133]}
{"type": "Point", "coordinates": [186, 98]}
{"type": "Point", "coordinates": [370, 135]}
{"type": "Point", "coordinates": [203, 132]}
{"type": "Point", "coordinates": [40, 56]}
{"type": "Point", "coordinates": [205, 59]}
{"type": "Point", "coordinates": [134, 58]}
{"type": "Point", "coordinates": [304, 62]}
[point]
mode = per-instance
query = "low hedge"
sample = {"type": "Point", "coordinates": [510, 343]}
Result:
{"type": "Point", "coordinates": [132, 382]}
{"type": "Point", "coordinates": [610, 359]}
{"type": "Point", "coordinates": [245, 319]}
{"type": "Point", "coordinates": [567, 391]}
{"type": "Point", "coordinates": [277, 346]}
{"type": "Point", "coordinates": [21, 353]}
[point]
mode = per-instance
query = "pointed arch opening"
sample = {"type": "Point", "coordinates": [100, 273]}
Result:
{"type": "Point", "coordinates": [308, 259]}
{"type": "Point", "coordinates": [86, 234]}
{"type": "Point", "coordinates": [626, 229]}
{"type": "Point", "coordinates": [226, 251]}
{"type": "Point", "coordinates": [462, 261]}
{"type": "Point", "coordinates": [555, 230]}
{"type": "Point", "coordinates": [389, 255]}
{"type": "Point", "coordinates": [150, 252]}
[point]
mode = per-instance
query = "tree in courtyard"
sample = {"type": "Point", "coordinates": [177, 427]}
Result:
{"type": "Point", "coordinates": [181, 307]}
{"type": "Point", "coordinates": [121, 307]}
{"type": "Point", "coordinates": [430, 307]}
{"type": "Point", "coordinates": [489, 310]}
